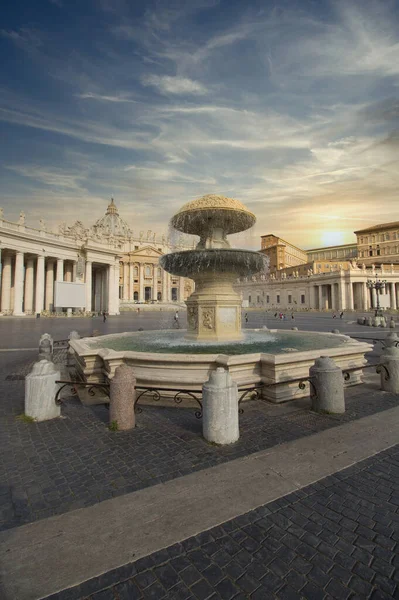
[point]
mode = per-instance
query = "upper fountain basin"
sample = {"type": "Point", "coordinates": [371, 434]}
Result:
{"type": "Point", "coordinates": [190, 262]}
{"type": "Point", "coordinates": [213, 211]}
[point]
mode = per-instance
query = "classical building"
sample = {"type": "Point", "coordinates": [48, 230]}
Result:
{"type": "Point", "coordinates": [281, 254]}
{"type": "Point", "coordinates": [379, 244]}
{"type": "Point", "coordinates": [107, 267]}
{"type": "Point", "coordinates": [332, 278]}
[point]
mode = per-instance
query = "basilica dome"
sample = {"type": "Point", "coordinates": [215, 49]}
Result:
{"type": "Point", "coordinates": [111, 224]}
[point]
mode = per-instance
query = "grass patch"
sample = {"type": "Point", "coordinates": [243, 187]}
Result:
{"type": "Point", "coordinates": [113, 426]}
{"type": "Point", "coordinates": [25, 418]}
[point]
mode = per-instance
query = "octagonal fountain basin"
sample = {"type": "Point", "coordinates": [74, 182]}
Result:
{"type": "Point", "coordinates": [270, 358]}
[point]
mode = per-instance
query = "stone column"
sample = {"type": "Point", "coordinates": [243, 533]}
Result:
{"type": "Point", "coordinates": [113, 299]}
{"type": "Point", "coordinates": [49, 284]}
{"type": "Point", "coordinates": [29, 285]}
{"type": "Point", "coordinates": [341, 295]}
{"type": "Point", "coordinates": [74, 268]}
{"type": "Point", "coordinates": [350, 295]}
{"type": "Point", "coordinates": [320, 297]}
{"type": "Point", "coordinates": [181, 289]}
{"type": "Point", "coordinates": [131, 281]}
{"type": "Point", "coordinates": [18, 284]}
{"type": "Point", "coordinates": [6, 284]}
{"type": "Point", "coordinates": [393, 295]}
{"type": "Point", "coordinates": [141, 282]}
{"type": "Point", "coordinates": [68, 272]}
{"type": "Point", "coordinates": [97, 290]}
{"type": "Point", "coordinates": [39, 298]}
{"type": "Point", "coordinates": [88, 285]}
{"type": "Point", "coordinates": [125, 294]}
{"type": "Point", "coordinates": [60, 270]}
{"type": "Point", "coordinates": [333, 298]}
{"type": "Point", "coordinates": [365, 296]}
{"type": "Point", "coordinates": [164, 286]}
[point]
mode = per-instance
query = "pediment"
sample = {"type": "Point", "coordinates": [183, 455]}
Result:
{"type": "Point", "coordinates": [147, 251]}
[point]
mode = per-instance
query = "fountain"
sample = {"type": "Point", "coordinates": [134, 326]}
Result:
{"type": "Point", "coordinates": [214, 309]}
{"type": "Point", "coordinates": [174, 360]}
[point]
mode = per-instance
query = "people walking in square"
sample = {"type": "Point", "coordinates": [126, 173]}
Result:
{"type": "Point", "coordinates": [104, 316]}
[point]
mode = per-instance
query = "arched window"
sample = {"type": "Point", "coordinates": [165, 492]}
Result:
{"type": "Point", "coordinates": [136, 271]}
{"type": "Point", "coordinates": [159, 272]}
{"type": "Point", "coordinates": [148, 271]}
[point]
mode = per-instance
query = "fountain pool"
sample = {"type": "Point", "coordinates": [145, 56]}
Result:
{"type": "Point", "coordinates": [166, 342]}
{"type": "Point", "coordinates": [167, 360]}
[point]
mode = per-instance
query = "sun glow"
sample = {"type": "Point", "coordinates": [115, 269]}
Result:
{"type": "Point", "coordinates": [332, 238]}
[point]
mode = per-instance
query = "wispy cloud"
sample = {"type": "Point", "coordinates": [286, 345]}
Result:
{"type": "Point", "coordinates": [285, 108]}
{"type": "Point", "coordinates": [167, 84]}
{"type": "Point", "coordinates": [105, 98]}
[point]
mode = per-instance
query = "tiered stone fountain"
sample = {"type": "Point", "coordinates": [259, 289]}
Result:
{"type": "Point", "coordinates": [175, 360]}
{"type": "Point", "coordinates": [214, 309]}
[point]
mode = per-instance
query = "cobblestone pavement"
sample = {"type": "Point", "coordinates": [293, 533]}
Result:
{"type": "Point", "coordinates": [335, 539]}
{"type": "Point", "coordinates": [57, 466]}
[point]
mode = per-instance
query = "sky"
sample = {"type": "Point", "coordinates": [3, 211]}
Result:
{"type": "Point", "coordinates": [289, 106]}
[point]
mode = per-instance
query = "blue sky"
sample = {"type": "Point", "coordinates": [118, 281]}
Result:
{"type": "Point", "coordinates": [289, 106]}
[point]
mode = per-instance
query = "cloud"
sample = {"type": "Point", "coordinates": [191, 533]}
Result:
{"type": "Point", "coordinates": [167, 84]}
{"type": "Point", "coordinates": [104, 98]}
{"type": "Point", "coordinates": [25, 38]}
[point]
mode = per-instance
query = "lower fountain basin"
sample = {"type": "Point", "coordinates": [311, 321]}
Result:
{"type": "Point", "coordinates": [222, 260]}
{"type": "Point", "coordinates": [269, 358]}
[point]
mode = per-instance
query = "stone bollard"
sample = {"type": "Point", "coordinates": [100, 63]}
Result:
{"type": "Point", "coordinates": [390, 377]}
{"type": "Point", "coordinates": [329, 385]}
{"type": "Point", "coordinates": [45, 351]}
{"type": "Point", "coordinates": [40, 391]}
{"type": "Point", "coordinates": [122, 397]}
{"type": "Point", "coordinates": [46, 344]}
{"type": "Point", "coordinates": [334, 330]}
{"type": "Point", "coordinates": [70, 355]}
{"type": "Point", "coordinates": [220, 408]}
{"type": "Point", "coordinates": [294, 328]}
{"type": "Point", "coordinates": [369, 321]}
{"type": "Point", "coordinates": [391, 340]}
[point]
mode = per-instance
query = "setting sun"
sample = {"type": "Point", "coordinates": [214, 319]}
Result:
{"type": "Point", "coordinates": [332, 238]}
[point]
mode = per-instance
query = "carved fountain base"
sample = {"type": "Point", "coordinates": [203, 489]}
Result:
{"type": "Point", "coordinates": [214, 309]}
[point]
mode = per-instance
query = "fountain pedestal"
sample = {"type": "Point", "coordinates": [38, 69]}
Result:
{"type": "Point", "coordinates": [214, 309]}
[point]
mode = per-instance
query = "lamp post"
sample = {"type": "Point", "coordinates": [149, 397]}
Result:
{"type": "Point", "coordinates": [378, 285]}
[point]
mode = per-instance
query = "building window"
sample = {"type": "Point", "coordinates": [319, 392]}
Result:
{"type": "Point", "coordinates": [249, 299]}
{"type": "Point", "coordinates": [378, 250]}
{"type": "Point", "coordinates": [257, 299]}
{"type": "Point", "coordinates": [136, 247]}
{"type": "Point", "coordinates": [387, 236]}
{"type": "Point", "coordinates": [135, 295]}
{"type": "Point", "coordinates": [136, 271]}
{"type": "Point", "coordinates": [278, 299]}
{"type": "Point", "coordinates": [370, 251]}
{"type": "Point", "coordinates": [159, 272]}
{"type": "Point", "coordinates": [289, 299]}
{"type": "Point", "coordinates": [302, 298]}
{"type": "Point", "coordinates": [267, 299]}
{"type": "Point", "coordinates": [148, 271]}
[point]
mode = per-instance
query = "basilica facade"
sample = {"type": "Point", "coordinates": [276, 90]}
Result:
{"type": "Point", "coordinates": [108, 267]}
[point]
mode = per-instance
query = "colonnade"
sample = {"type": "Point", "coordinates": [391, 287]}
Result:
{"type": "Point", "coordinates": [349, 296]}
{"type": "Point", "coordinates": [27, 283]}
{"type": "Point", "coordinates": [147, 281]}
